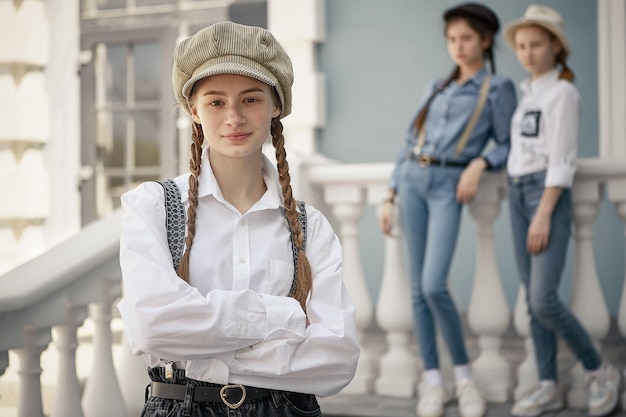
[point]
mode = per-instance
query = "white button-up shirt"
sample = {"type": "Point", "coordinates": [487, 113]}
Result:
{"type": "Point", "coordinates": [544, 130]}
{"type": "Point", "coordinates": [233, 322]}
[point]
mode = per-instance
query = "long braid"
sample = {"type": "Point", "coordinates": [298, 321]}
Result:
{"type": "Point", "coordinates": [492, 62]}
{"type": "Point", "coordinates": [195, 167]}
{"type": "Point", "coordinates": [421, 117]}
{"type": "Point", "coordinates": [303, 273]}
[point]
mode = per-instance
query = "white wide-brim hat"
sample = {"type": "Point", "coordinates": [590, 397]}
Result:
{"type": "Point", "coordinates": [542, 16]}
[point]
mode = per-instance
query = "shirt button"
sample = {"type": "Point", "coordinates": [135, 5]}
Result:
{"type": "Point", "coordinates": [243, 222]}
{"type": "Point", "coordinates": [242, 260]}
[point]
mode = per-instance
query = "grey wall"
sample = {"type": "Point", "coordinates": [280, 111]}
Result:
{"type": "Point", "coordinates": [380, 55]}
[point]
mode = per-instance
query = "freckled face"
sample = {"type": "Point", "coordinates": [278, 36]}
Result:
{"type": "Point", "coordinates": [536, 50]}
{"type": "Point", "coordinates": [465, 46]}
{"type": "Point", "coordinates": [235, 112]}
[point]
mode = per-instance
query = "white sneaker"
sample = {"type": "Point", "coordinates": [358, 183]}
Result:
{"type": "Point", "coordinates": [431, 400]}
{"type": "Point", "coordinates": [537, 401]}
{"type": "Point", "coordinates": [603, 390]}
{"type": "Point", "coordinates": [471, 401]}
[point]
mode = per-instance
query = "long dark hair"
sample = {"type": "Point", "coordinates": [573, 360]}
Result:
{"type": "Point", "coordinates": [486, 30]}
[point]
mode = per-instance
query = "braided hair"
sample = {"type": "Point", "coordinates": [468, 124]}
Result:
{"type": "Point", "coordinates": [304, 276]}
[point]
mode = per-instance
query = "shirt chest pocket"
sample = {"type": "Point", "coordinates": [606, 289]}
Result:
{"type": "Point", "coordinates": [531, 123]}
{"type": "Point", "coordinates": [280, 278]}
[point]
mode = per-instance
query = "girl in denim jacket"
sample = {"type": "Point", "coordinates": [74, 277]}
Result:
{"type": "Point", "coordinates": [437, 171]}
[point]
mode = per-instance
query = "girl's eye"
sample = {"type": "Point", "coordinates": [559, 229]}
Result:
{"type": "Point", "coordinates": [250, 100]}
{"type": "Point", "coordinates": [215, 103]}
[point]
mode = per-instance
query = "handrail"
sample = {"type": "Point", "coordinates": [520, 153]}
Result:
{"type": "Point", "coordinates": [61, 265]}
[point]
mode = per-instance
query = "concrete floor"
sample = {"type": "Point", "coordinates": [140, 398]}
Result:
{"type": "Point", "coordinates": [613, 348]}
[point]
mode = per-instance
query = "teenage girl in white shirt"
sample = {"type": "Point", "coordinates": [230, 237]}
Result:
{"type": "Point", "coordinates": [541, 167]}
{"type": "Point", "coordinates": [237, 326]}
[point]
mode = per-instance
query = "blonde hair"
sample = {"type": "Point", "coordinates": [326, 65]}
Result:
{"type": "Point", "coordinates": [304, 276]}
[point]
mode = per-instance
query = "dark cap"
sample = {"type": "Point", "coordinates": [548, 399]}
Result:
{"type": "Point", "coordinates": [474, 11]}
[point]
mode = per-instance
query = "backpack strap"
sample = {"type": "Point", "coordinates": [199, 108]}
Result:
{"type": "Point", "coordinates": [175, 220]}
{"type": "Point", "coordinates": [302, 220]}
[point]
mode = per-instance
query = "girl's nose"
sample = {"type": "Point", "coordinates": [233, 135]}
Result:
{"type": "Point", "coordinates": [235, 116]}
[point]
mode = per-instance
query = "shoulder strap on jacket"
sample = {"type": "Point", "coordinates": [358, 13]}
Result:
{"type": "Point", "coordinates": [175, 220]}
{"type": "Point", "coordinates": [302, 220]}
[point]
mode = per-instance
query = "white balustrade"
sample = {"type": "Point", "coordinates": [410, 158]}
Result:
{"type": "Point", "coordinates": [586, 290]}
{"type": "Point", "coordinates": [347, 191]}
{"type": "Point", "coordinates": [347, 207]}
{"type": "Point", "coordinates": [68, 393]}
{"type": "Point", "coordinates": [398, 366]}
{"type": "Point", "coordinates": [133, 378]}
{"type": "Point", "coordinates": [616, 190]}
{"type": "Point", "coordinates": [102, 396]}
{"type": "Point", "coordinates": [488, 312]}
{"type": "Point", "coordinates": [35, 342]}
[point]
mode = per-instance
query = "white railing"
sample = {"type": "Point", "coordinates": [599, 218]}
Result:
{"type": "Point", "coordinates": [81, 278]}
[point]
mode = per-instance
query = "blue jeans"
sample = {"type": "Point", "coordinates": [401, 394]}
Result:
{"type": "Point", "coordinates": [541, 276]}
{"type": "Point", "coordinates": [278, 404]}
{"type": "Point", "coordinates": [430, 217]}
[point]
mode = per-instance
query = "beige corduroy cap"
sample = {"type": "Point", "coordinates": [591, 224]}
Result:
{"type": "Point", "coordinates": [543, 16]}
{"type": "Point", "coordinates": [231, 48]}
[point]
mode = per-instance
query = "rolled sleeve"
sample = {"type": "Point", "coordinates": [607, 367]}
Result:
{"type": "Point", "coordinates": [562, 131]}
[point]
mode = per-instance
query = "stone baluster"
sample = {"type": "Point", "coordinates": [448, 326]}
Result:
{"type": "Point", "coordinates": [102, 396]}
{"type": "Point", "coordinates": [133, 377]}
{"type": "Point", "coordinates": [527, 375]}
{"type": "Point", "coordinates": [488, 312]}
{"type": "Point", "coordinates": [68, 395]}
{"type": "Point", "coordinates": [347, 206]}
{"type": "Point", "coordinates": [616, 190]}
{"type": "Point", "coordinates": [586, 300]}
{"type": "Point", "coordinates": [35, 342]}
{"type": "Point", "coordinates": [398, 366]}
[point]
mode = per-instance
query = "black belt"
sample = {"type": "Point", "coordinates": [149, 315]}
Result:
{"type": "Point", "coordinates": [232, 395]}
{"type": "Point", "coordinates": [425, 160]}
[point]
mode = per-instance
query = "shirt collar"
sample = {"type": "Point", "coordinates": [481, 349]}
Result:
{"type": "Point", "coordinates": [207, 184]}
{"type": "Point", "coordinates": [479, 77]}
{"type": "Point", "coordinates": [529, 85]}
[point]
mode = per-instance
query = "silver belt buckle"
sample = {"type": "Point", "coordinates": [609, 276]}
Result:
{"type": "Point", "coordinates": [233, 406]}
{"type": "Point", "coordinates": [424, 160]}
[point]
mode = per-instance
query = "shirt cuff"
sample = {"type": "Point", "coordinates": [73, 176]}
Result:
{"type": "Point", "coordinates": [285, 317]}
{"type": "Point", "coordinates": [560, 176]}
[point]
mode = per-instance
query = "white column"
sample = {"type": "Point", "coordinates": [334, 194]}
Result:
{"type": "Point", "coordinates": [398, 366]}
{"type": "Point", "coordinates": [347, 206]}
{"type": "Point", "coordinates": [611, 77]}
{"type": "Point", "coordinates": [527, 375]}
{"type": "Point", "coordinates": [300, 26]}
{"type": "Point", "coordinates": [488, 312]}
{"type": "Point", "coordinates": [102, 396]}
{"type": "Point", "coordinates": [586, 300]}
{"type": "Point", "coordinates": [35, 342]}
{"type": "Point", "coordinates": [67, 395]}
{"type": "Point", "coordinates": [24, 129]}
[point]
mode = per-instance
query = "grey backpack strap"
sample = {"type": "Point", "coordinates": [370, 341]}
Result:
{"type": "Point", "coordinates": [302, 220]}
{"type": "Point", "coordinates": [175, 221]}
